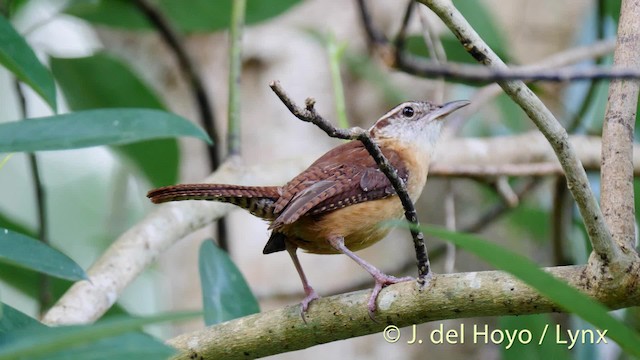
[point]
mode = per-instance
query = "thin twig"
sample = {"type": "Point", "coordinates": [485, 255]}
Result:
{"type": "Point", "coordinates": [45, 295]}
{"type": "Point", "coordinates": [374, 36]}
{"type": "Point", "coordinates": [401, 37]}
{"type": "Point", "coordinates": [436, 50]}
{"type": "Point", "coordinates": [477, 73]}
{"type": "Point", "coordinates": [577, 181]}
{"type": "Point", "coordinates": [309, 114]}
{"type": "Point", "coordinates": [450, 223]}
{"type": "Point", "coordinates": [200, 94]}
{"type": "Point", "coordinates": [235, 69]}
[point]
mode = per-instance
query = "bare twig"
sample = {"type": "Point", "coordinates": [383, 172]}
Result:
{"type": "Point", "coordinates": [450, 223]}
{"type": "Point", "coordinates": [235, 68]}
{"type": "Point", "coordinates": [545, 121]}
{"type": "Point", "coordinates": [45, 296]}
{"type": "Point", "coordinates": [374, 36]}
{"type": "Point", "coordinates": [506, 192]}
{"type": "Point", "coordinates": [459, 71]}
{"type": "Point", "coordinates": [309, 114]}
{"type": "Point", "coordinates": [618, 133]}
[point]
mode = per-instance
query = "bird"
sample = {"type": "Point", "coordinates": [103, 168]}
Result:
{"type": "Point", "coordinates": [337, 204]}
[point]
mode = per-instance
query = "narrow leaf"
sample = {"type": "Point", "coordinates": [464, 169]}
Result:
{"type": "Point", "coordinates": [32, 342]}
{"type": "Point", "coordinates": [13, 320]}
{"type": "Point", "coordinates": [225, 293]}
{"type": "Point", "coordinates": [23, 251]}
{"type": "Point", "coordinates": [92, 128]}
{"type": "Point", "coordinates": [19, 58]}
{"type": "Point", "coordinates": [556, 290]}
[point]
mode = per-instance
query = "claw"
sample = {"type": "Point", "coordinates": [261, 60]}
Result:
{"type": "Point", "coordinates": [304, 305]}
{"type": "Point", "coordinates": [382, 280]}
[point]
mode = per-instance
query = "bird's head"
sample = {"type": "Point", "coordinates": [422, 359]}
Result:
{"type": "Point", "coordinates": [416, 123]}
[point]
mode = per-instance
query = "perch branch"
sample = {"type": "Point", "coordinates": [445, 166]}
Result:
{"type": "Point", "coordinates": [309, 114]}
{"type": "Point", "coordinates": [460, 295]}
{"type": "Point", "coordinates": [577, 180]}
{"type": "Point", "coordinates": [617, 197]}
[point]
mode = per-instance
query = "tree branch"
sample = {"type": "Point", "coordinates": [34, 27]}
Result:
{"type": "Point", "coordinates": [617, 196]}
{"type": "Point", "coordinates": [309, 114]}
{"type": "Point", "coordinates": [460, 295]}
{"type": "Point", "coordinates": [577, 180]}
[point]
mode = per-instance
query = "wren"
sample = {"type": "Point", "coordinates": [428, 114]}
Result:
{"type": "Point", "coordinates": [337, 204]}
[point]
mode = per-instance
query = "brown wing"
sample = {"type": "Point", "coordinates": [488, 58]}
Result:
{"type": "Point", "coordinates": [344, 176]}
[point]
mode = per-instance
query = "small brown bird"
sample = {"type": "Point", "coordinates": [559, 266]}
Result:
{"type": "Point", "coordinates": [337, 204]}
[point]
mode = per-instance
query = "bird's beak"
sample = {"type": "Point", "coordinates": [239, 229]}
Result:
{"type": "Point", "coordinates": [447, 109]}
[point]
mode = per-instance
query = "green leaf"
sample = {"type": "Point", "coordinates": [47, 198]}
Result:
{"type": "Point", "coordinates": [35, 342]}
{"type": "Point", "coordinates": [13, 320]}
{"type": "Point", "coordinates": [18, 58]}
{"type": "Point", "coordinates": [225, 293]}
{"type": "Point", "coordinates": [556, 290]}
{"type": "Point", "coordinates": [92, 128]}
{"type": "Point", "coordinates": [117, 13]}
{"type": "Point", "coordinates": [103, 81]}
{"type": "Point", "coordinates": [23, 251]}
{"type": "Point", "coordinates": [188, 15]}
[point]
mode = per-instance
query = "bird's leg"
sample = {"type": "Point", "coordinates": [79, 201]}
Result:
{"type": "Point", "coordinates": [308, 290]}
{"type": "Point", "coordinates": [381, 279]}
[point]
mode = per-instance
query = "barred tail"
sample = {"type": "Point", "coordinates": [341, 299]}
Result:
{"type": "Point", "coordinates": [259, 200]}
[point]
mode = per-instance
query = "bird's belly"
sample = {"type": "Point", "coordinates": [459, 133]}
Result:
{"type": "Point", "coordinates": [361, 225]}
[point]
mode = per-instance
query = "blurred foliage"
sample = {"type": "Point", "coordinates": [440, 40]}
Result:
{"type": "Point", "coordinates": [225, 293]}
{"type": "Point", "coordinates": [18, 57]}
{"type": "Point", "coordinates": [188, 15]}
{"type": "Point", "coordinates": [102, 81]}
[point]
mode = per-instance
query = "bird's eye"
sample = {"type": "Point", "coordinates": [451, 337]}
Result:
{"type": "Point", "coordinates": [408, 111]}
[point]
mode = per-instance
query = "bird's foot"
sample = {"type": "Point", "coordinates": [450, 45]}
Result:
{"type": "Point", "coordinates": [304, 305]}
{"type": "Point", "coordinates": [382, 280]}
